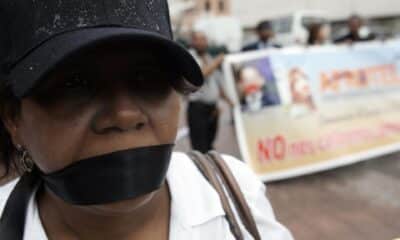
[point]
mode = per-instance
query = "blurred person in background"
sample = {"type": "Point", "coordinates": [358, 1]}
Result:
{"type": "Point", "coordinates": [265, 33]}
{"type": "Point", "coordinates": [203, 112]}
{"type": "Point", "coordinates": [357, 31]}
{"type": "Point", "coordinates": [318, 34]}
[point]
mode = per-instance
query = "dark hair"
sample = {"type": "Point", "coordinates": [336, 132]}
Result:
{"type": "Point", "coordinates": [313, 33]}
{"type": "Point", "coordinates": [264, 25]}
{"type": "Point", "coordinates": [10, 107]}
{"type": "Point", "coordinates": [355, 16]}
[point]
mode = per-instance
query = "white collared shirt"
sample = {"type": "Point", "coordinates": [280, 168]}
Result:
{"type": "Point", "coordinates": [210, 91]}
{"type": "Point", "coordinates": [196, 210]}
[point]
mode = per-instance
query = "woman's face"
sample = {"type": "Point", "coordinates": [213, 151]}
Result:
{"type": "Point", "coordinates": [323, 34]}
{"type": "Point", "coordinates": [108, 100]}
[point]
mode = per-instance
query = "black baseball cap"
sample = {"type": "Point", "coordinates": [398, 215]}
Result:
{"type": "Point", "coordinates": [37, 35]}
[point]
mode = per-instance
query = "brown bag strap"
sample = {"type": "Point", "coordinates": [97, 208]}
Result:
{"type": "Point", "coordinates": [210, 174]}
{"type": "Point", "coordinates": [236, 194]}
{"type": "Point", "coordinates": [227, 184]}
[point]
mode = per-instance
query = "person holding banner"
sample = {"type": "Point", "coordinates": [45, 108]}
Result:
{"type": "Point", "coordinates": [203, 112]}
{"type": "Point", "coordinates": [318, 34]}
{"type": "Point", "coordinates": [357, 31]}
{"type": "Point", "coordinates": [265, 33]}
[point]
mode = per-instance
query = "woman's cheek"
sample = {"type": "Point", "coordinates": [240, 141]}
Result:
{"type": "Point", "coordinates": [165, 118]}
{"type": "Point", "coordinates": [52, 142]}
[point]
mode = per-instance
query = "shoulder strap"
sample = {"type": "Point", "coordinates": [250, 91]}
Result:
{"type": "Point", "coordinates": [209, 173]}
{"type": "Point", "coordinates": [226, 183]}
{"type": "Point", "coordinates": [12, 222]}
{"type": "Point", "coordinates": [236, 194]}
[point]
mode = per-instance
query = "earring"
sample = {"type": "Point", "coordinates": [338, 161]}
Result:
{"type": "Point", "coordinates": [25, 160]}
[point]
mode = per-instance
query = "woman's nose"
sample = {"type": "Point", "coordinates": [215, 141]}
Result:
{"type": "Point", "coordinates": [120, 113]}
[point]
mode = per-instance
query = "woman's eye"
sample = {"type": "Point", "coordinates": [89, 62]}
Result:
{"type": "Point", "coordinates": [140, 76]}
{"type": "Point", "coordinates": [150, 83]}
{"type": "Point", "coordinates": [76, 87]}
{"type": "Point", "coordinates": [76, 82]}
{"type": "Point", "coordinates": [146, 76]}
{"type": "Point", "coordinates": [72, 91]}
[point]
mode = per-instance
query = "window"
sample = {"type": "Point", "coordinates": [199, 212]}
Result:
{"type": "Point", "coordinates": [283, 25]}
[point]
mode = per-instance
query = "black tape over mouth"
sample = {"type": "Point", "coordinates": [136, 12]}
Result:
{"type": "Point", "coordinates": [111, 177]}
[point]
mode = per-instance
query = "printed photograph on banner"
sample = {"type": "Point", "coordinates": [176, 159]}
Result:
{"type": "Point", "coordinates": [302, 101]}
{"type": "Point", "coordinates": [256, 85]}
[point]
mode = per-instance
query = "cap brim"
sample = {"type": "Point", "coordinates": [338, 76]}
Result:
{"type": "Point", "coordinates": [40, 61]}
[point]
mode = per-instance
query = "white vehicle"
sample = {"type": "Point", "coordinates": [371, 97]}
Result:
{"type": "Point", "coordinates": [221, 31]}
{"type": "Point", "coordinates": [293, 29]}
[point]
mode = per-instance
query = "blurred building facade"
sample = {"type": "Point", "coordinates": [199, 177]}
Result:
{"type": "Point", "coordinates": [252, 11]}
{"type": "Point", "coordinates": [185, 12]}
{"type": "Point", "coordinates": [336, 10]}
{"type": "Point", "coordinates": [214, 7]}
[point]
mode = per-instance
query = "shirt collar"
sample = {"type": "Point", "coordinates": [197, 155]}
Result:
{"type": "Point", "coordinates": [194, 200]}
{"type": "Point", "coordinates": [264, 45]}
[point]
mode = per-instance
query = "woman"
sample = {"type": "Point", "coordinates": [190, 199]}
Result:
{"type": "Point", "coordinates": [318, 34]}
{"type": "Point", "coordinates": [90, 102]}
